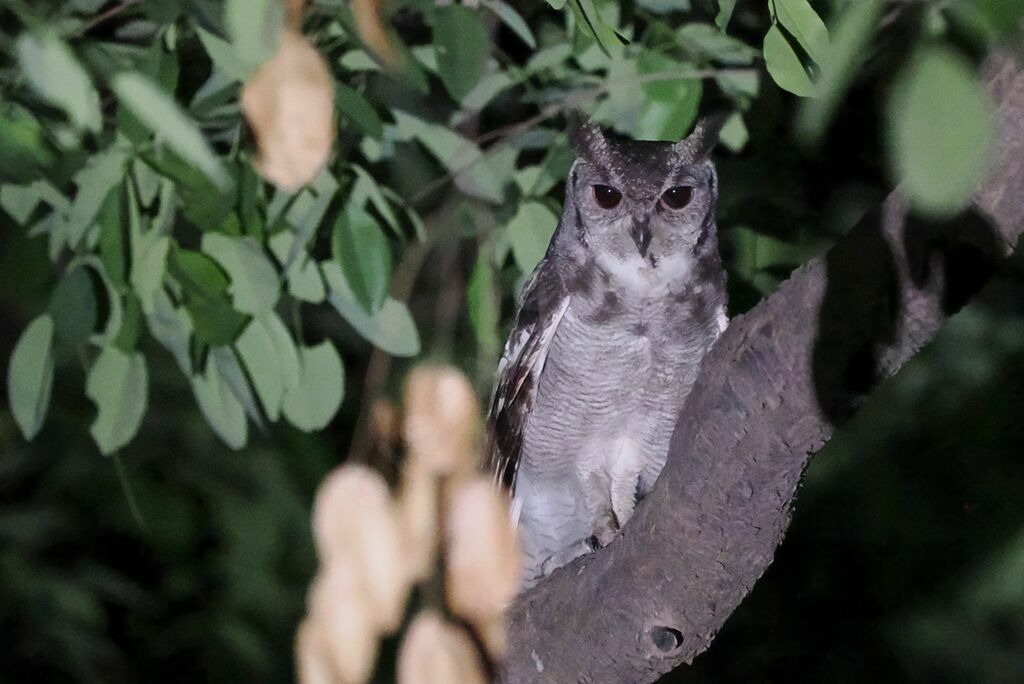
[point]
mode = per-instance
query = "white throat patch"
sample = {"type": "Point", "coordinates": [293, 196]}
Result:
{"type": "Point", "coordinates": [637, 275]}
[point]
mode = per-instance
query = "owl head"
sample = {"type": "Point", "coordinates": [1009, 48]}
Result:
{"type": "Point", "coordinates": [643, 204]}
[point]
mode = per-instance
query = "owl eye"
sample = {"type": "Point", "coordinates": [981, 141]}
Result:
{"type": "Point", "coordinates": [606, 196]}
{"type": "Point", "coordinates": [677, 197]}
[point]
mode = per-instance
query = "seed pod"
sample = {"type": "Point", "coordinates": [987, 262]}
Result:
{"type": "Point", "coordinates": [373, 30]}
{"type": "Point", "coordinates": [437, 652]}
{"type": "Point", "coordinates": [482, 559]}
{"type": "Point", "coordinates": [339, 610]}
{"type": "Point", "coordinates": [355, 520]}
{"type": "Point", "coordinates": [312, 657]}
{"type": "Point", "coordinates": [417, 510]}
{"type": "Point", "coordinates": [384, 423]}
{"type": "Point", "coordinates": [289, 103]}
{"type": "Point", "coordinates": [442, 420]}
{"type": "Point", "coordinates": [294, 9]}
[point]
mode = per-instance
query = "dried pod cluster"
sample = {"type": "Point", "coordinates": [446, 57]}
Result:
{"type": "Point", "coordinates": [289, 104]}
{"type": "Point", "coordinates": [448, 527]}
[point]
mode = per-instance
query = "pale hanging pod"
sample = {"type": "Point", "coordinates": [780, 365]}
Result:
{"type": "Point", "coordinates": [354, 520]}
{"type": "Point", "coordinates": [294, 9]}
{"type": "Point", "coordinates": [437, 652]}
{"type": "Point", "coordinates": [482, 562]}
{"type": "Point", "coordinates": [417, 510]}
{"type": "Point", "coordinates": [342, 618]}
{"type": "Point", "coordinates": [312, 655]}
{"type": "Point", "coordinates": [373, 30]}
{"type": "Point", "coordinates": [289, 103]}
{"type": "Point", "coordinates": [441, 421]}
{"type": "Point", "coordinates": [385, 423]}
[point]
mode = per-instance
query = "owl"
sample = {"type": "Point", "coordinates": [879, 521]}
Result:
{"type": "Point", "coordinates": [611, 328]}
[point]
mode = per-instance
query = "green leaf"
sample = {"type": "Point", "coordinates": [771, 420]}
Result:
{"type": "Point", "coordinates": [234, 376]}
{"type": "Point", "coordinates": [462, 46]}
{"type": "Point", "coordinates": [74, 309]}
{"type": "Point", "coordinates": [483, 304]}
{"type": "Point", "coordinates": [312, 403]}
{"type": "Point", "coordinates": [941, 130]}
{"type": "Point", "coordinates": [713, 44]}
{"type": "Point", "coordinates": [268, 353]}
{"type": "Point", "coordinates": [485, 91]}
{"type": "Point", "coordinates": [255, 285]}
{"type": "Point", "coordinates": [741, 86]}
{"type": "Point", "coordinates": [590, 22]}
{"type": "Point", "coordinates": [59, 79]}
{"type": "Point", "coordinates": [149, 263]}
{"type": "Point", "coordinates": [118, 385]}
{"type": "Point", "coordinates": [147, 181]}
{"type": "Point", "coordinates": [800, 19]}
{"type": "Point", "coordinates": [1001, 16]}
{"type": "Point", "coordinates": [207, 302]}
{"type": "Point", "coordinates": [511, 18]}
{"type": "Point", "coordinates": [734, 133]}
{"type": "Point", "coordinates": [172, 328]}
{"type": "Point", "coordinates": [303, 274]}
{"type": "Point", "coordinates": [25, 153]}
{"type": "Point", "coordinates": [529, 233]}
{"type": "Point", "coordinates": [548, 58]}
{"type": "Point", "coordinates": [391, 328]}
{"type": "Point", "coordinates": [220, 406]}
{"type": "Point", "coordinates": [223, 55]}
{"type": "Point", "coordinates": [204, 203]}
{"type": "Point", "coordinates": [357, 109]}
{"type": "Point", "coordinates": [162, 115]}
{"type": "Point", "coordinates": [21, 201]}
{"type": "Point", "coordinates": [654, 110]}
{"type": "Point", "coordinates": [285, 352]}
{"type": "Point", "coordinates": [255, 28]}
{"type": "Point", "coordinates": [536, 181]}
{"type": "Point", "coordinates": [30, 375]}
{"type": "Point", "coordinates": [725, 9]}
{"type": "Point", "coordinates": [104, 171]}
{"type": "Point", "coordinates": [114, 308]}
{"type": "Point", "coordinates": [784, 65]}
{"type": "Point", "coordinates": [477, 175]}
{"type": "Point", "coordinates": [128, 335]}
{"type": "Point", "coordinates": [362, 251]}
{"type": "Point", "coordinates": [365, 189]}
{"type": "Point", "coordinates": [853, 30]}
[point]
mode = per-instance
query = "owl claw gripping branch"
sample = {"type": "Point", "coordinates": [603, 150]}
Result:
{"type": "Point", "coordinates": [611, 329]}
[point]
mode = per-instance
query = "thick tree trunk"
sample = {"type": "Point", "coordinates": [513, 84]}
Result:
{"type": "Point", "coordinates": [768, 398]}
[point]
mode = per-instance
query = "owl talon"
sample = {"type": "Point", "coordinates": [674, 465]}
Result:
{"type": "Point", "coordinates": [553, 562]}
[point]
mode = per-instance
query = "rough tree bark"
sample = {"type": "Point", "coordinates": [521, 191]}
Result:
{"type": "Point", "coordinates": [768, 398]}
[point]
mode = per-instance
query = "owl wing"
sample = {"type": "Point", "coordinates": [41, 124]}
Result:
{"type": "Point", "coordinates": [542, 305]}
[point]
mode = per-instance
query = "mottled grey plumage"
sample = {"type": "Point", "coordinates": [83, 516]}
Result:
{"type": "Point", "coordinates": [612, 326]}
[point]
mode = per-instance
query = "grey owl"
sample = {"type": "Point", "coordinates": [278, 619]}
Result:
{"type": "Point", "coordinates": [612, 326]}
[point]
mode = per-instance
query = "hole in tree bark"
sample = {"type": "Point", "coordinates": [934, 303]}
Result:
{"type": "Point", "coordinates": [666, 639]}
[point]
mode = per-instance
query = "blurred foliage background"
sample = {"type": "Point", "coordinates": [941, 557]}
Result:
{"type": "Point", "coordinates": [192, 347]}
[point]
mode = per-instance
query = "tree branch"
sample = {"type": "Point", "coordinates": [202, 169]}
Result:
{"type": "Point", "coordinates": [768, 397]}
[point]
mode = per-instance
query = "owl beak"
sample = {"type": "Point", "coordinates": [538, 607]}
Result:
{"type": "Point", "coordinates": [641, 234]}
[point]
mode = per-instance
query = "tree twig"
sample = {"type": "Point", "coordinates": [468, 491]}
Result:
{"type": "Point", "coordinates": [106, 14]}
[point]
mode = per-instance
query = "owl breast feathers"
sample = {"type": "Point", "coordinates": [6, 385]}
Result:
{"type": "Point", "coordinates": [611, 329]}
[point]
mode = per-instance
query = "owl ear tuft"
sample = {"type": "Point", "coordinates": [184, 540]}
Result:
{"type": "Point", "coordinates": [586, 137]}
{"type": "Point", "coordinates": [702, 140]}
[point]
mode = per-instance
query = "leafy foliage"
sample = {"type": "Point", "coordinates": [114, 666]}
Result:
{"type": "Point", "coordinates": [126, 143]}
